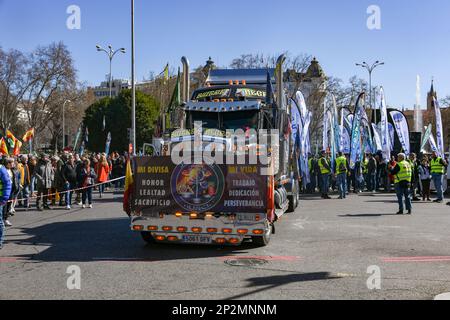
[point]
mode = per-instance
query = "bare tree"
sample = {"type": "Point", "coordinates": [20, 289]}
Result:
{"type": "Point", "coordinates": [13, 85]}
{"type": "Point", "coordinates": [52, 76]}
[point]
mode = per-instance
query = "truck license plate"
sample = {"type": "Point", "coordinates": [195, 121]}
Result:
{"type": "Point", "coordinates": [246, 217]}
{"type": "Point", "coordinates": [197, 239]}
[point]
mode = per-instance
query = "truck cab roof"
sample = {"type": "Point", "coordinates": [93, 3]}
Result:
{"type": "Point", "coordinates": [250, 76]}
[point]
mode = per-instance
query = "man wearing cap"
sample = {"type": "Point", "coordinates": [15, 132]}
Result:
{"type": "Point", "coordinates": [402, 173]}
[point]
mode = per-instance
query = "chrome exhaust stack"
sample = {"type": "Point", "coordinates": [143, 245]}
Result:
{"type": "Point", "coordinates": [186, 80]}
{"type": "Point", "coordinates": [279, 79]}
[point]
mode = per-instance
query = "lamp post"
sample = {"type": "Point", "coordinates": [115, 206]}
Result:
{"type": "Point", "coordinates": [133, 83]}
{"type": "Point", "coordinates": [64, 124]}
{"type": "Point", "coordinates": [370, 69]}
{"type": "Point", "coordinates": [110, 53]}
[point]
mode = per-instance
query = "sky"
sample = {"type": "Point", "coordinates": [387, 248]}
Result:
{"type": "Point", "coordinates": [413, 39]}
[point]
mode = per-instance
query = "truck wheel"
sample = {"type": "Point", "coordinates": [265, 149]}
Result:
{"type": "Point", "coordinates": [293, 199]}
{"type": "Point", "coordinates": [262, 241]}
{"type": "Point", "coordinates": [147, 237]}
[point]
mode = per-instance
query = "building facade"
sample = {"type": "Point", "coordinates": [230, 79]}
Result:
{"type": "Point", "coordinates": [102, 91]}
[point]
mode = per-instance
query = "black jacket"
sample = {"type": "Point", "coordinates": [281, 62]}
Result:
{"type": "Point", "coordinates": [69, 173]}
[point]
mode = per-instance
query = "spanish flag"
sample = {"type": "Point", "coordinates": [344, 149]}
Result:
{"type": "Point", "coordinates": [129, 183]}
{"type": "Point", "coordinates": [17, 146]}
{"type": "Point", "coordinates": [28, 135]}
{"type": "Point", "coordinates": [3, 147]}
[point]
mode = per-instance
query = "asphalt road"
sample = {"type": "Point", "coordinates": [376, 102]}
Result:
{"type": "Point", "coordinates": [323, 251]}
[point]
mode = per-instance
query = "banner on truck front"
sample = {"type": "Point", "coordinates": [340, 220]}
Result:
{"type": "Point", "coordinates": [161, 186]}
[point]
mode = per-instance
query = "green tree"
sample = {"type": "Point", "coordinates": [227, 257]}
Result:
{"type": "Point", "coordinates": [117, 114]}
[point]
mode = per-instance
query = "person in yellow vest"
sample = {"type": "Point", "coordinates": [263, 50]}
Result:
{"type": "Point", "coordinates": [325, 172]}
{"type": "Point", "coordinates": [365, 171]}
{"type": "Point", "coordinates": [438, 170]}
{"type": "Point", "coordinates": [402, 173]}
{"type": "Point", "coordinates": [342, 170]}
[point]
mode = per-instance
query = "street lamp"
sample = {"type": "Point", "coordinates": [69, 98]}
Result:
{"type": "Point", "coordinates": [133, 82]}
{"type": "Point", "coordinates": [110, 53]}
{"type": "Point", "coordinates": [64, 124]}
{"type": "Point", "coordinates": [370, 69]}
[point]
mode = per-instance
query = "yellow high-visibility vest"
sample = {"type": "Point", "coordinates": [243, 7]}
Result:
{"type": "Point", "coordinates": [323, 170]}
{"type": "Point", "coordinates": [341, 162]}
{"type": "Point", "coordinates": [405, 173]}
{"type": "Point", "coordinates": [437, 167]}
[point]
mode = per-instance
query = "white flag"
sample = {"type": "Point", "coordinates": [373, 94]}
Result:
{"type": "Point", "coordinates": [402, 129]}
{"type": "Point", "coordinates": [439, 131]}
{"type": "Point", "coordinates": [384, 129]}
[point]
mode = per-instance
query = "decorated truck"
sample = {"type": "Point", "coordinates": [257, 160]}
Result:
{"type": "Point", "coordinates": [228, 169]}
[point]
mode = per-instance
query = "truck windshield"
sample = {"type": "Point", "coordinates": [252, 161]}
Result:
{"type": "Point", "coordinates": [244, 120]}
{"type": "Point", "coordinates": [209, 120]}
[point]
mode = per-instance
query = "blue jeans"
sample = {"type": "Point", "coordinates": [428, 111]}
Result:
{"type": "Point", "coordinates": [101, 189]}
{"type": "Point", "coordinates": [403, 192]}
{"type": "Point", "coordinates": [438, 182]}
{"type": "Point", "coordinates": [325, 183]}
{"type": "Point", "coordinates": [33, 184]}
{"type": "Point", "coordinates": [371, 185]}
{"type": "Point", "coordinates": [87, 195]}
{"type": "Point", "coordinates": [26, 195]}
{"type": "Point", "coordinates": [341, 180]}
{"type": "Point", "coordinates": [2, 226]}
{"type": "Point", "coordinates": [68, 195]}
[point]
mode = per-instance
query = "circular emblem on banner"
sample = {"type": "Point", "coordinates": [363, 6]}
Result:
{"type": "Point", "coordinates": [197, 187]}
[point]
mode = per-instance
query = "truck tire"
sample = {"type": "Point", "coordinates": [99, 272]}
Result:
{"type": "Point", "coordinates": [262, 241]}
{"type": "Point", "coordinates": [293, 199]}
{"type": "Point", "coordinates": [147, 237]}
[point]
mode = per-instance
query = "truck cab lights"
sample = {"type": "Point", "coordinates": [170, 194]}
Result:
{"type": "Point", "coordinates": [152, 228]}
{"type": "Point", "coordinates": [138, 228]}
{"type": "Point", "coordinates": [160, 238]}
{"type": "Point", "coordinates": [197, 230]}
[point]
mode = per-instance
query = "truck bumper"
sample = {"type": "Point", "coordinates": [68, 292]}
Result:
{"type": "Point", "coordinates": [208, 230]}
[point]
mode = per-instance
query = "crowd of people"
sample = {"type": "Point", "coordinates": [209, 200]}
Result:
{"type": "Point", "coordinates": [410, 177]}
{"type": "Point", "coordinates": [59, 180]}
